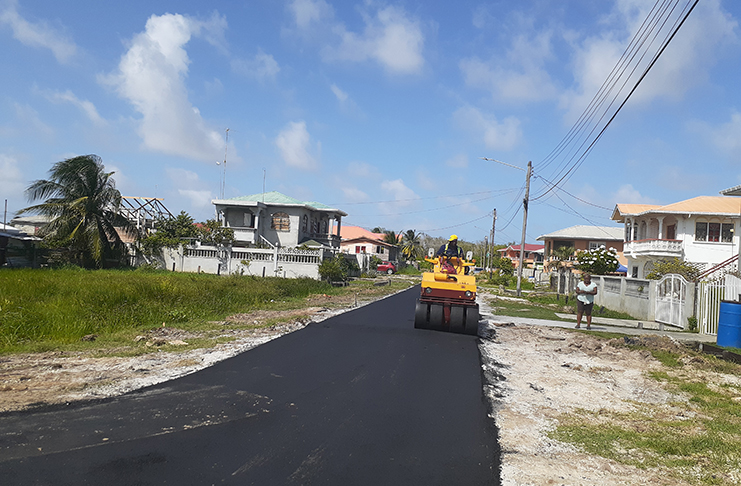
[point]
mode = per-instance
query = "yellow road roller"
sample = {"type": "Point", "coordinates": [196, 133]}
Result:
{"type": "Point", "coordinates": [448, 298]}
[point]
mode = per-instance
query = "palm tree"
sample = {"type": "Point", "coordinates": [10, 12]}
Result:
{"type": "Point", "coordinates": [411, 245]}
{"type": "Point", "coordinates": [390, 237]}
{"type": "Point", "coordinates": [562, 254]}
{"type": "Point", "coordinates": [82, 202]}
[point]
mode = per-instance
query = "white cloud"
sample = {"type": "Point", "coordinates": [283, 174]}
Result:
{"type": "Point", "coordinates": [353, 194]}
{"type": "Point", "coordinates": [199, 199]}
{"type": "Point", "coordinates": [87, 107]}
{"type": "Point", "coordinates": [627, 194]}
{"type": "Point", "coordinates": [189, 185]}
{"type": "Point", "coordinates": [521, 75]}
{"type": "Point", "coordinates": [459, 161]}
{"type": "Point", "coordinates": [308, 12]}
{"type": "Point", "coordinates": [363, 170]}
{"type": "Point", "coordinates": [29, 121]}
{"type": "Point", "coordinates": [39, 34]}
{"type": "Point", "coordinates": [682, 66]}
{"type": "Point", "coordinates": [496, 135]}
{"type": "Point", "coordinates": [725, 137]}
{"type": "Point", "coordinates": [295, 147]}
{"type": "Point", "coordinates": [151, 76]}
{"type": "Point", "coordinates": [262, 67]}
{"type": "Point", "coordinates": [12, 184]}
{"type": "Point", "coordinates": [402, 195]}
{"type": "Point", "coordinates": [341, 95]}
{"type": "Point", "coordinates": [391, 38]}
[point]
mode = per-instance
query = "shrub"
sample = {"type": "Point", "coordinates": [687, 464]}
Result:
{"type": "Point", "coordinates": [599, 261]}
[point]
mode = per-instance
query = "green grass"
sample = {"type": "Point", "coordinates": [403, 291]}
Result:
{"type": "Point", "coordinates": [545, 306]}
{"type": "Point", "coordinates": [697, 439]}
{"type": "Point", "coordinates": [46, 309]}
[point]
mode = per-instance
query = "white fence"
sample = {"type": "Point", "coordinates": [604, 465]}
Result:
{"type": "Point", "coordinates": [272, 262]}
{"type": "Point", "coordinates": [709, 297]}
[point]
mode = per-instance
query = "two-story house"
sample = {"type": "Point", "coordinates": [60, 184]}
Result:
{"type": "Point", "coordinates": [700, 230]}
{"type": "Point", "coordinates": [532, 256]}
{"type": "Point", "coordinates": [583, 238]}
{"type": "Point", "coordinates": [278, 220]}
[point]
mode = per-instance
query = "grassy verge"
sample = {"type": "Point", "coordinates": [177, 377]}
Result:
{"type": "Point", "coordinates": [538, 305]}
{"type": "Point", "coordinates": [696, 439]}
{"type": "Point", "coordinates": [42, 310]}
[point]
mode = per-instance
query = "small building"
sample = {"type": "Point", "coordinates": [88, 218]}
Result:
{"type": "Point", "coordinates": [532, 258]}
{"type": "Point", "coordinates": [357, 240]}
{"type": "Point", "coordinates": [583, 238]}
{"type": "Point", "coordinates": [17, 248]}
{"type": "Point", "coordinates": [274, 219]}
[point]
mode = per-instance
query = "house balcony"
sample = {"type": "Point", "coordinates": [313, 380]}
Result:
{"type": "Point", "coordinates": [244, 234]}
{"type": "Point", "coordinates": [653, 248]}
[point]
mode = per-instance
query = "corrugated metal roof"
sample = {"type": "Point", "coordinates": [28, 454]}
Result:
{"type": "Point", "coordinates": [585, 232]}
{"type": "Point", "coordinates": [278, 198]}
{"type": "Point", "coordinates": [713, 205]}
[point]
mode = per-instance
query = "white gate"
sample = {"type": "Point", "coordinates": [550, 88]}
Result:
{"type": "Point", "coordinates": [671, 293]}
{"type": "Point", "coordinates": [710, 294]}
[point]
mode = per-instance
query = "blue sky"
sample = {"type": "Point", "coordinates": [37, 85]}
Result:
{"type": "Point", "coordinates": [382, 109]}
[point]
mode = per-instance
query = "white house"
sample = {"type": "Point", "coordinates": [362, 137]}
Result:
{"type": "Point", "coordinates": [278, 220]}
{"type": "Point", "coordinates": [701, 230]}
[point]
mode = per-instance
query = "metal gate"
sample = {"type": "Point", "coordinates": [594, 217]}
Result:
{"type": "Point", "coordinates": [671, 293]}
{"type": "Point", "coordinates": [710, 295]}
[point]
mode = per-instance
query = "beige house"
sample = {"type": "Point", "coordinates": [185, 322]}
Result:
{"type": "Point", "coordinates": [702, 230]}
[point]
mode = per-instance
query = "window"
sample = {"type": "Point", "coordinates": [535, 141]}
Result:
{"type": "Point", "coordinates": [281, 222]}
{"type": "Point", "coordinates": [593, 245]}
{"type": "Point", "coordinates": [379, 250]}
{"type": "Point", "coordinates": [247, 222]}
{"type": "Point", "coordinates": [305, 223]}
{"type": "Point", "coordinates": [357, 249]}
{"type": "Point", "coordinates": [714, 232]}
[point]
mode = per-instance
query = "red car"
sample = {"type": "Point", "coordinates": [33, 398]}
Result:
{"type": "Point", "coordinates": [387, 267]}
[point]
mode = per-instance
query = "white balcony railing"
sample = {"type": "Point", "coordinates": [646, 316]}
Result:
{"type": "Point", "coordinates": [654, 248]}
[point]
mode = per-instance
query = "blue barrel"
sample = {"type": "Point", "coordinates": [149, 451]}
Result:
{"type": "Point", "coordinates": [729, 324]}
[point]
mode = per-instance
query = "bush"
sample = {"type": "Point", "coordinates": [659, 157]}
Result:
{"type": "Point", "coordinates": [337, 268]}
{"type": "Point", "coordinates": [690, 271]}
{"type": "Point", "coordinates": [599, 261]}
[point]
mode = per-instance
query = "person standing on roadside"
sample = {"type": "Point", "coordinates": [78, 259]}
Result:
{"type": "Point", "coordinates": [585, 292]}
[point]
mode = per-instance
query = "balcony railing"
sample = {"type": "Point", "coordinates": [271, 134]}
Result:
{"type": "Point", "coordinates": [654, 248]}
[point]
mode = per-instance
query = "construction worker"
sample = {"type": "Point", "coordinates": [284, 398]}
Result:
{"type": "Point", "coordinates": [450, 249]}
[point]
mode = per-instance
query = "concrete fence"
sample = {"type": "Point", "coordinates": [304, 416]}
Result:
{"type": "Point", "coordinates": [271, 262]}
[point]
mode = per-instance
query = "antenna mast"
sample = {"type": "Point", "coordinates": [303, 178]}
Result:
{"type": "Point", "coordinates": [223, 179]}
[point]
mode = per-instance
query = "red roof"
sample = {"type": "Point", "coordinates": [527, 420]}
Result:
{"type": "Point", "coordinates": [354, 232]}
{"type": "Point", "coordinates": [529, 247]}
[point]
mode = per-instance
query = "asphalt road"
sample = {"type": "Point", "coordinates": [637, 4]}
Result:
{"type": "Point", "coordinates": [361, 398]}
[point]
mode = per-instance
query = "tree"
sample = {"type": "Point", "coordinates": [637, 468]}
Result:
{"type": "Point", "coordinates": [213, 233]}
{"type": "Point", "coordinates": [82, 202]}
{"type": "Point", "coordinates": [411, 245]}
{"type": "Point", "coordinates": [169, 233]}
{"type": "Point", "coordinates": [562, 254]}
{"type": "Point", "coordinates": [690, 271]}
{"type": "Point", "coordinates": [390, 237]}
{"type": "Point", "coordinates": [599, 261]}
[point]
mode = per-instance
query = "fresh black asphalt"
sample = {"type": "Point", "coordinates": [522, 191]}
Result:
{"type": "Point", "coordinates": [360, 398]}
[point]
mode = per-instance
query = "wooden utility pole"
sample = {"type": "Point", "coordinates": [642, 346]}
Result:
{"type": "Point", "coordinates": [524, 228]}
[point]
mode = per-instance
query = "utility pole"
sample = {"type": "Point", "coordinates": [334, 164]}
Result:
{"type": "Point", "coordinates": [491, 240]}
{"type": "Point", "coordinates": [524, 227]}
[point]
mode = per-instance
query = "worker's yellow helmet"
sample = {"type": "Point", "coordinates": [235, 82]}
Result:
{"type": "Point", "coordinates": [453, 237]}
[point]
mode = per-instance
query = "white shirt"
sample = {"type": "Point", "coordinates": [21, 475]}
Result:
{"type": "Point", "coordinates": [586, 298]}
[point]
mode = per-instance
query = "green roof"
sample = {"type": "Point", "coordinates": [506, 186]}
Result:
{"type": "Point", "coordinates": [275, 197]}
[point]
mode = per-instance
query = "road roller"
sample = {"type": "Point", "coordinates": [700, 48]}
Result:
{"type": "Point", "coordinates": [447, 301]}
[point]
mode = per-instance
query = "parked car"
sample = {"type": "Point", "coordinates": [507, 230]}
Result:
{"type": "Point", "coordinates": [386, 267]}
{"type": "Point", "coordinates": [477, 270]}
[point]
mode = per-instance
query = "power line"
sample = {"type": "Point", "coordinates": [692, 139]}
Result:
{"type": "Point", "coordinates": [580, 159]}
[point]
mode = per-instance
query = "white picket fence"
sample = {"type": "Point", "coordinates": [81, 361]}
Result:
{"type": "Point", "coordinates": [710, 294]}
